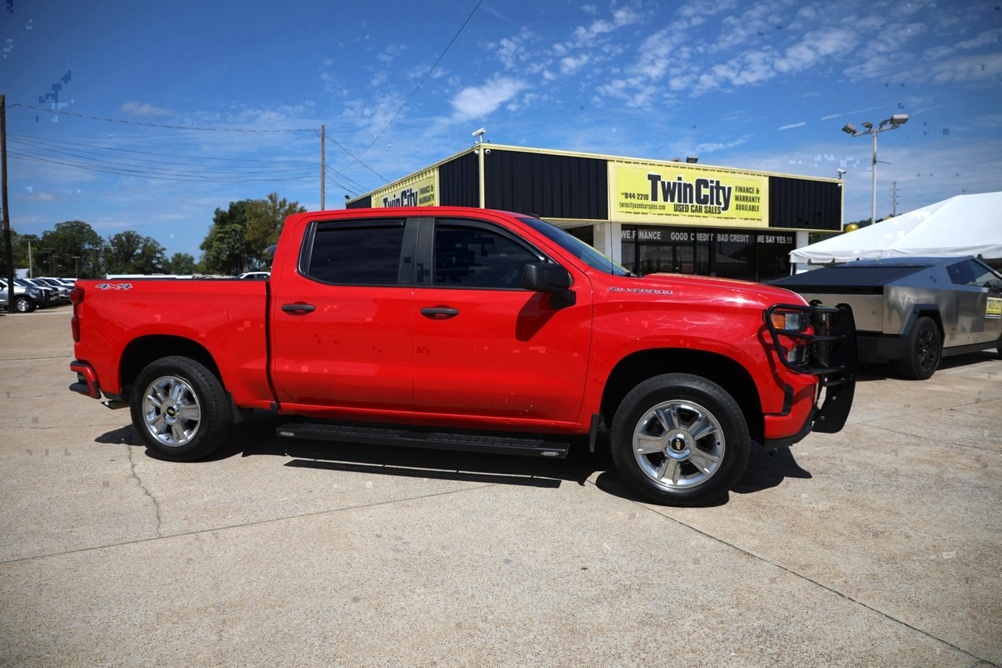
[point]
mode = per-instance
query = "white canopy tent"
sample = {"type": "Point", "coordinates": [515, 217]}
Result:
{"type": "Point", "coordinates": [961, 225]}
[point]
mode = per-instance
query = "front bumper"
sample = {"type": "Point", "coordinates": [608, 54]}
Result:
{"type": "Point", "coordinates": [826, 350]}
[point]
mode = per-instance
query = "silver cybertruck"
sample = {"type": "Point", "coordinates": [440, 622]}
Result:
{"type": "Point", "coordinates": [912, 311]}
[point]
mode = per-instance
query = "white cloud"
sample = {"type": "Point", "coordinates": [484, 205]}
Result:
{"type": "Point", "coordinates": [968, 69]}
{"type": "Point", "coordinates": [986, 38]}
{"type": "Point", "coordinates": [477, 101]}
{"type": "Point", "coordinates": [793, 125]}
{"type": "Point", "coordinates": [712, 147]}
{"type": "Point", "coordinates": [143, 109]}
{"type": "Point", "coordinates": [586, 35]}
{"type": "Point", "coordinates": [571, 65]}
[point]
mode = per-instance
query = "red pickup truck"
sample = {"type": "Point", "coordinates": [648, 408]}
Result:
{"type": "Point", "coordinates": [471, 329]}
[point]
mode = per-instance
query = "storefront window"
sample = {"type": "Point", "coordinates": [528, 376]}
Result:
{"type": "Point", "coordinates": [735, 256]}
{"type": "Point", "coordinates": [629, 256]}
{"type": "Point", "coordinates": [656, 259]}
{"type": "Point", "coordinates": [773, 253]}
{"type": "Point", "coordinates": [738, 254]}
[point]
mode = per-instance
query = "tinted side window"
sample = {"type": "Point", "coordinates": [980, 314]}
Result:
{"type": "Point", "coordinates": [474, 257]}
{"type": "Point", "coordinates": [963, 273]}
{"type": "Point", "coordinates": [364, 253]}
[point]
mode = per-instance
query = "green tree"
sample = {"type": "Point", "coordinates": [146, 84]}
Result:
{"type": "Point", "coordinates": [264, 221]}
{"type": "Point", "coordinates": [239, 236]}
{"type": "Point", "coordinates": [131, 253]}
{"type": "Point", "coordinates": [181, 263]}
{"type": "Point", "coordinates": [225, 249]}
{"type": "Point", "coordinates": [72, 248]}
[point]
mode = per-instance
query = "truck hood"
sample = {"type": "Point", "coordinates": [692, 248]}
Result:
{"type": "Point", "coordinates": [686, 288]}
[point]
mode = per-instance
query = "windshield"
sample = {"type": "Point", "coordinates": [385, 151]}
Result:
{"type": "Point", "coordinates": [576, 247]}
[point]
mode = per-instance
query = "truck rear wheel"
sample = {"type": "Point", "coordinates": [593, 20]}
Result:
{"type": "Point", "coordinates": [680, 439]}
{"type": "Point", "coordinates": [923, 351]}
{"type": "Point", "coordinates": [180, 409]}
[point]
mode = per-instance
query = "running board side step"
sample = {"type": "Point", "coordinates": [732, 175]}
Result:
{"type": "Point", "coordinates": [415, 438]}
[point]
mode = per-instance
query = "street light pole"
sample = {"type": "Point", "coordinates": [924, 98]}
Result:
{"type": "Point", "coordinates": [873, 182]}
{"type": "Point", "coordinates": [892, 123]}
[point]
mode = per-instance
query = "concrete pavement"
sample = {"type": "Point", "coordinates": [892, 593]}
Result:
{"type": "Point", "coordinates": [877, 546]}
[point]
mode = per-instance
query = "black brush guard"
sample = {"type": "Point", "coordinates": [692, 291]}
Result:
{"type": "Point", "coordinates": [831, 355]}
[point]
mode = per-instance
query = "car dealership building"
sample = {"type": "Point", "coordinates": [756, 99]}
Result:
{"type": "Point", "coordinates": [648, 215]}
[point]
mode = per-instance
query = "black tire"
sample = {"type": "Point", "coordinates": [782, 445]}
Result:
{"type": "Point", "coordinates": [180, 409]}
{"type": "Point", "coordinates": [923, 351]}
{"type": "Point", "coordinates": [24, 304]}
{"type": "Point", "coordinates": [680, 439]}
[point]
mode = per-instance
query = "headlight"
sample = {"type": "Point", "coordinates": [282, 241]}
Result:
{"type": "Point", "coordinates": [790, 321]}
{"type": "Point", "coordinates": [792, 333]}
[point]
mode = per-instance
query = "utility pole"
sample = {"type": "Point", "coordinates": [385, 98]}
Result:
{"type": "Point", "coordinates": [323, 167]}
{"type": "Point", "coordinates": [8, 251]}
{"type": "Point", "coordinates": [894, 198]}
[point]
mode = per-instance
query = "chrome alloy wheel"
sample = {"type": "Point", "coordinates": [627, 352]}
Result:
{"type": "Point", "coordinates": [171, 411]}
{"type": "Point", "coordinates": [679, 444]}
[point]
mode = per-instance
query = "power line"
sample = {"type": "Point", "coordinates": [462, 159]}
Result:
{"type": "Point", "coordinates": [354, 158]}
{"type": "Point", "coordinates": [164, 175]}
{"type": "Point", "coordinates": [58, 144]}
{"type": "Point", "coordinates": [239, 130]}
{"type": "Point", "coordinates": [339, 180]}
{"type": "Point", "coordinates": [114, 157]}
{"type": "Point", "coordinates": [423, 79]}
{"type": "Point", "coordinates": [160, 125]}
{"type": "Point", "coordinates": [125, 163]}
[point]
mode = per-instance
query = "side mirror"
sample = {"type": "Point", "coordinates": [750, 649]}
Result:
{"type": "Point", "coordinates": [551, 279]}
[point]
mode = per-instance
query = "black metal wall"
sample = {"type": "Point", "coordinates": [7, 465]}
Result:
{"type": "Point", "coordinates": [457, 182]}
{"type": "Point", "coordinates": [804, 204]}
{"type": "Point", "coordinates": [363, 203]}
{"type": "Point", "coordinates": [575, 187]}
{"type": "Point", "coordinates": [551, 186]}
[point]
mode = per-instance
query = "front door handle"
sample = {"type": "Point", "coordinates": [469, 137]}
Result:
{"type": "Point", "coordinates": [439, 312]}
{"type": "Point", "coordinates": [298, 309]}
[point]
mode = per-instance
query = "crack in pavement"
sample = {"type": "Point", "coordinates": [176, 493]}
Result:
{"type": "Point", "coordinates": [144, 488]}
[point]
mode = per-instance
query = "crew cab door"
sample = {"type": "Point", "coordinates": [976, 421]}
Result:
{"type": "Point", "coordinates": [341, 321]}
{"type": "Point", "coordinates": [484, 347]}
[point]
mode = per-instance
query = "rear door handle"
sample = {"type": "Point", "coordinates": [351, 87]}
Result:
{"type": "Point", "coordinates": [298, 309]}
{"type": "Point", "coordinates": [439, 312]}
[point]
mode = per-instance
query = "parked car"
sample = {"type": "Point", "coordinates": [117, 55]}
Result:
{"type": "Point", "coordinates": [256, 275]}
{"type": "Point", "coordinates": [912, 311]}
{"type": "Point", "coordinates": [26, 299]}
{"type": "Point", "coordinates": [62, 290]}
{"type": "Point", "coordinates": [49, 294]}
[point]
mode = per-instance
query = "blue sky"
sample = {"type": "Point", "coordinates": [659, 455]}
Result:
{"type": "Point", "coordinates": [211, 102]}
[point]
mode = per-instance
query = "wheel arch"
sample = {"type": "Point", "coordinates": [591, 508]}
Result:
{"type": "Point", "coordinates": [146, 349]}
{"type": "Point", "coordinates": [725, 372]}
{"type": "Point", "coordinates": [930, 311]}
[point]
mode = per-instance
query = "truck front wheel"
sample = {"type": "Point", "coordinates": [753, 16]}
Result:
{"type": "Point", "coordinates": [180, 409]}
{"type": "Point", "coordinates": [680, 439]}
{"type": "Point", "coordinates": [923, 351]}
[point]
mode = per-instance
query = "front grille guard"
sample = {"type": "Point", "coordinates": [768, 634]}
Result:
{"type": "Point", "coordinates": [831, 347]}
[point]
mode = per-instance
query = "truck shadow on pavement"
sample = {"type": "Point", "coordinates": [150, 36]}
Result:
{"type": "Point", "coordinates": [257, 437]}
